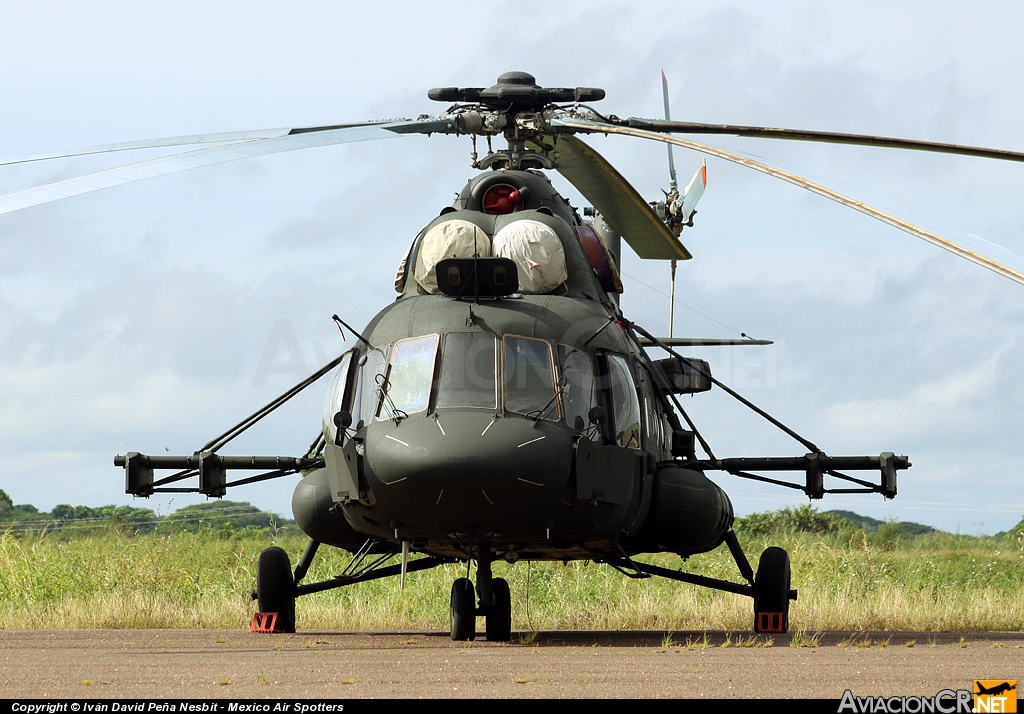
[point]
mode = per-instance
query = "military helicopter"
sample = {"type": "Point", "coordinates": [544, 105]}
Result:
{"type": "Point", "coordinates": [503, 406]}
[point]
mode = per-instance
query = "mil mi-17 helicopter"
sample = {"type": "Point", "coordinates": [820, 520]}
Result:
{"type": "Point", "coordinates": [503, 407]}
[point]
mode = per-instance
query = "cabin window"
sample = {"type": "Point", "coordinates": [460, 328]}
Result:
{"type": "Point", "coordinates": [625, 404]}
{"type": "Point", "coordinates": [529, 379]}
{"type": "Point", "coordinates": [578, 393]}
{"type": "Point", "coordinates": [410, 375]}
{"type": "Point", "coordinates": [653, 438]}
{"type": "Point", "coordinates": [665, 440]}
{"type": "Point", "coordinates": [653, 433]}
{"type": "Point", "coordinates": [334, 401]}
{"type": "Point", "coordinates": [468, 369]}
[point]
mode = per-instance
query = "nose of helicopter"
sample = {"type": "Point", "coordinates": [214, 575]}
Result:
{"type": "Point", "coordinates": [468, 470]}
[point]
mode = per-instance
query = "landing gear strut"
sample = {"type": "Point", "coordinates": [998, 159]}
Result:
{"type": "Point", "coordinates": [495, 604]}
{"type": "Point", "coordinates": [769, 589]}
{"type": "Point", "coordinates": [276, 586]}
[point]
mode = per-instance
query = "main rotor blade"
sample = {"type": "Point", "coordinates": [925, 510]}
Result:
{"type": "Point", "coordinates": [944, 243]}
{"type": "Point", "coordinates": [622, 207]}
{"type": "Point", "coordinates": [293, 140]}
{"type": "Point", "coordinates": [226, 137]}
{"type": "Point", "coordinates": [828, 137]}
{"type": "Point", "coordinates": [230, 137]}
{"type": "Point", "coordinates": [702, 342]}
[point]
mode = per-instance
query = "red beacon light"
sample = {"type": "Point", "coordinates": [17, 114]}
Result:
{"type": "Point", "coordinates": [502, 199]}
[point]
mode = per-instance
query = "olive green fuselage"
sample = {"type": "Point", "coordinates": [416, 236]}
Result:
{"type": "Point", "coordinates": [539, 482]}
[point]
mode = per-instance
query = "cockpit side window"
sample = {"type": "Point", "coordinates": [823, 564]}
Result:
{"type": "Point", "coordinates": [578, 393]}
{"type": "Point", "coordinates": [468, 368]}
{"type": "Point", "coordinates": [366, 389]}
{"type": "Point", "coordinates": [625, 404]}
{"type": "Point", "coordinates": [529, 378]}
{"type": "Point", "coordinates": [334, 402]}
{"type": "Point", "coordinates": [409, 376]}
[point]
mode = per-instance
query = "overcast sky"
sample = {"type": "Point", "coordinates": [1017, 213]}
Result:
{"type": "Point", "coordinates": [136, 318]}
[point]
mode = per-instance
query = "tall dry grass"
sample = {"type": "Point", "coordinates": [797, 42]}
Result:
{"type": "Point", "coordinates": [188, 580]}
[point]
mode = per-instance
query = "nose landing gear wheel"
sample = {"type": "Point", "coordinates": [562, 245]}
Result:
{"type": "Point", "coordinates": [771, 592]}
{"type": "Point", "coordinates": [463, 610]}
{"type": "Point", "coordinates": [275, 588]}
{"type": "Point", "coordinates": [499, 619]}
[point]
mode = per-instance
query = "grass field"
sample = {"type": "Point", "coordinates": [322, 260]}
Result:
{"type": "Point", "coordinates": [848, 579]}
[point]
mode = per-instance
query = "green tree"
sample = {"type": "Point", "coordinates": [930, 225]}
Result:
{"type": "Point", "coordinates": [224, 516]}
{"type": "Point", "coordinates": [802, 519]}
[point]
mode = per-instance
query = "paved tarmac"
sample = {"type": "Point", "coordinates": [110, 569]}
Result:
{"type": "Point", "coordinates": [238, 664]}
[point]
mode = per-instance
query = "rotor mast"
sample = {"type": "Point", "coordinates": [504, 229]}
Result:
{"type": "Point", "coordinates": [518, 108]}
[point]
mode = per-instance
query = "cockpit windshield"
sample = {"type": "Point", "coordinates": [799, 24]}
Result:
{"type": "Point", "coordinates": [529, 378]}
{"type": "Point", "coordinates": [410, 375]}
{"type": "Point", "coordinates": [468, 371]}
{"type": "Point", "coordinates": [399, 379]}
{"type": "Point", "coordinates": [578, 395]}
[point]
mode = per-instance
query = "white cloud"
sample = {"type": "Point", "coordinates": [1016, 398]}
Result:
{"type": "Point", "coordinates": [936, 409]}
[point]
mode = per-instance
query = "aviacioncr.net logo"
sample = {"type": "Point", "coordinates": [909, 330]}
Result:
{"type": "Point", "coordinates": [946, 701]}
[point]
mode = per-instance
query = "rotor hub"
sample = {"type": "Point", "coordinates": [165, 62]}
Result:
{"type": "Point", "coordinates": [515, 92]}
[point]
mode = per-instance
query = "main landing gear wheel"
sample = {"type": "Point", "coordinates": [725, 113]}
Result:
{"type": "Point", "coordinates": [275, 588]}
{"type": "Point", "coordinates": [463, 610]}
{"type": "Point", "coordinates": [771, 592]}
{"type": "Point", "coordinates": [499, 619]}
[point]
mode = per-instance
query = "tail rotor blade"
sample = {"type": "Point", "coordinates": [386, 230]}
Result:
{"type": "Point", "coordinates": [694, 190]}
{"type": "Point", "coordinates": [668, 117]}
